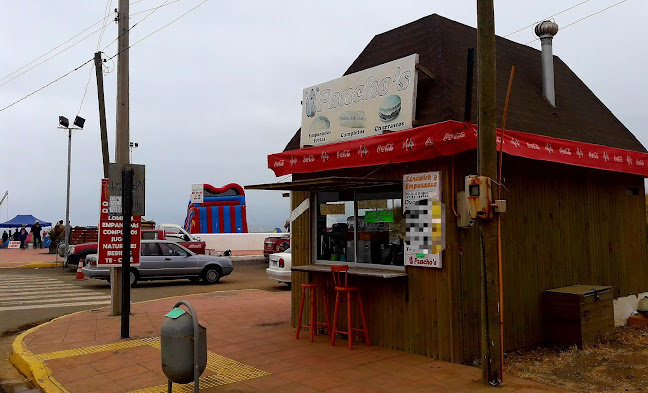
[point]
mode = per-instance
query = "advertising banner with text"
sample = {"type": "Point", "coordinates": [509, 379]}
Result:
{"type": "Point", "coordinates": [362, 104]}
{"type": "Point", "coordinates": [110, 233]}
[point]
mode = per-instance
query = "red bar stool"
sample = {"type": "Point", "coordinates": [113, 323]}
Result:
{"type": "Point", "coordinates": [340, 279]}
{"type": "Point", "coordinates": [313, 288]}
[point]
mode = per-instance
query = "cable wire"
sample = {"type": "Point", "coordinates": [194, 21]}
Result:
{"type": "Point", "coordinates": [92, 59]}
{"type": "Point", "coordinates": [549, 17]}
{"type": "Point", "coordinates": [85, 92]}
{"type": "Point", "coordinates": [582, 19]}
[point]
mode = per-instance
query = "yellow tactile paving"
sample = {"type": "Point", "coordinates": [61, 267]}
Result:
{"type": "Point", "coordinates": [227, 370]}
{"type": "Point", "coordinates": [99, 348]}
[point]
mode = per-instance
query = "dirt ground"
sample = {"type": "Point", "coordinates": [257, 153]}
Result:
{"type": "Point", "coordinates": [620, 365]}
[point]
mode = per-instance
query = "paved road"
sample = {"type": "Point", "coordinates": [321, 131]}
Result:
{"type": "Point", "coordinates": [31, 296]}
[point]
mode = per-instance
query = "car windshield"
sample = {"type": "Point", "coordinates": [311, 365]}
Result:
{"type": "Point", "coordinates": [288, 251]}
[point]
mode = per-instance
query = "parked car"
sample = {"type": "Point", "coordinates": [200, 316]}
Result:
{"type": "Point", "coordinates": [80, 251]}
{"type": "Point", "coordinates": [278, 243]}
{"type": "Point", "coordinates": [164, 259]}
{"type": "Point", "coordinates": [279, 267]}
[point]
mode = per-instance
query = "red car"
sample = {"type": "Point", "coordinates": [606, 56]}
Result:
{"type": "Point", "coordinates": [273, 244]}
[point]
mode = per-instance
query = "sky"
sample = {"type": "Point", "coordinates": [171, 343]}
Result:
{"type": "Point", "coordinates": [212, 94]}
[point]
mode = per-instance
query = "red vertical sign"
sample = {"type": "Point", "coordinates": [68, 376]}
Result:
{"type": "Point", "coordinates": [110, 233]}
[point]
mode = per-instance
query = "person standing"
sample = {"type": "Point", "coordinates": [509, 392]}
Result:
{"type": "Point", "coordinates": [16, 235]}
{"type": "Point", "coordinates": [23, 236]}
{"type": "Point", "coordinates": [5, 237]}
{"type": "Point", "coordinates": [36, 234]}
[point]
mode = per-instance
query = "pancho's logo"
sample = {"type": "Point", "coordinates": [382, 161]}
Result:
{"type": "Point", "coordinates": [385, 148]}
{"type": "Point", "coordinates": [606, 157]}
{"type": "Point", "coordinates": [579, 152]}
{"type": "Point", "coordinates": [324, 156]}
{"type": "Point", "coordinates": [515, 142]}
{"type": "Point", "coordinates": [549, 148]}
{"type": "Point", "coordinates": [629, 160]}
{"type": "Point", "coordinates": [293, 161]}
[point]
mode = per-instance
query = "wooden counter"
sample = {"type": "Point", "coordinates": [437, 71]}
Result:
{"type": "Point", "coordinates": [356, 271]}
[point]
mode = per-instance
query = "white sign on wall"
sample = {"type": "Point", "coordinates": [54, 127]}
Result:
{"type": "Point", "coordinates": [197, 193]}
{"type": "Point", "coordinates": [362, 104]}
{"type": "Point", "coordinates": [424, 219]}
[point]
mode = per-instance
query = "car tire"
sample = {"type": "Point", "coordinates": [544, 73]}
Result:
{"type": "Point", "coordinates": [211, 275]}
{"type": "Point", "coordinates": [134, 276]}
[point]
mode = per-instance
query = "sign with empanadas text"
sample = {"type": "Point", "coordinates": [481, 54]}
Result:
{"type": "Point", "coordinates": [366, 103]}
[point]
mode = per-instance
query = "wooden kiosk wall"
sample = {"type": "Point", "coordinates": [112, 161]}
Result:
{"type": "Point", "coordinates": [565, 225]}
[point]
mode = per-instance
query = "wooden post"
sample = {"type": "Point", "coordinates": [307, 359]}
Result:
{"type": "Point", "coordinates": [487, 165]}
{"type": "Point", "coordinates": [122, 132]}
{"type": "Point", "coordinates": [102, 113]}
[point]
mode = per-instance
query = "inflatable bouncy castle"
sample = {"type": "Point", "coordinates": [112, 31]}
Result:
{"type": "Point", "coordinates": [222, 211]}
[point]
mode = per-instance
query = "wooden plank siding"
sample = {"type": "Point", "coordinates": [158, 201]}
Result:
{"type": "Point", "coordinates": [565, 225]}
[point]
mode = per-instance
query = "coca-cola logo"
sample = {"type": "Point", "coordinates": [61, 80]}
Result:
{"type": "Point", "coordinates": [310, 158]}
{"type": "Point", "coordinates": [385, 148]}
{"type": "Point", "coordinates": [640, 162]}
{"type": "Point", "coordinates": [565, 151]}
{"type": "Point", "coordinates": [279, 163]}
{"type": "Point", "coordinates": [593, 154]}
{"type": "Point", "coordinates": [450, 137]}
{"type": "Point", "coordinates": [533, 146]}
{"type": "Point", "coordinates": [618, 159]}
{"type": "Point", "coordinates": [344, 154]}
{"type": "Point", "coordinates": [429, 142]}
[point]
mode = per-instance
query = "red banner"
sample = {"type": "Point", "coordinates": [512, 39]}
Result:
{"type": "Point", "coordinates": [449, 138]}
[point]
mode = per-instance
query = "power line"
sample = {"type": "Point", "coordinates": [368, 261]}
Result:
{"type": "Point", "coordinates": [549, 17]}
{"type": "Point", "coordinates": [92, 59]}
{"type": "Point", "coordinates": [582, 19]}
{"type": "Point", "coordinates": [47, 85]}
{"type": "Point", "coordinates": [103, 29]}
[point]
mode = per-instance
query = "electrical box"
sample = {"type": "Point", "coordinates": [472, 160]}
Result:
{"type": "Point", "coordinates": [464, 220]}
{"type": "Point", "coordinates": [479, 196]}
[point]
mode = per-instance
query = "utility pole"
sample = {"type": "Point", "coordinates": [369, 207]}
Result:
{"type": "Point", "coordinates": [102, 113]}
{"type": "Point", "coordinates": [122, 134]}
{"type": "Point", "coordinates": [487, 165]}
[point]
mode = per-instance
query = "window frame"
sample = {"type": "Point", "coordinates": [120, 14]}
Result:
{"type": "Point", "coordinates": [314, 235]}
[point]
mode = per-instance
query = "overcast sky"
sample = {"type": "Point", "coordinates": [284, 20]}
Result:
{"type": "Point", "coordinates": [217, 91]}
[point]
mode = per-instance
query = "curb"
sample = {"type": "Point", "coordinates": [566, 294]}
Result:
{"type": "Point", "coordinates": [33, 367]}
{"type": "Point", "coordinates": [33, 265]}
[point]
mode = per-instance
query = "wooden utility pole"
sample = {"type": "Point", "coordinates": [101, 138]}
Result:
{"type": "Point", "coordinates": [102, 113]}
{"type": "Point", "coordinates": [487, 164]}
{"type": "Point", "coordinates": [122, 132]}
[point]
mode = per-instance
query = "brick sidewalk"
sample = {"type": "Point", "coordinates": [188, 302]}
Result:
{"type": "Point", "coordinates": [251, 347]}
{"type": "Point", "coordinates": [12, 258]}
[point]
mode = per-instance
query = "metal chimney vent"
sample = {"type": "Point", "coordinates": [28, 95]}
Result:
{"type": "Point", "coordinates": [546, 30]}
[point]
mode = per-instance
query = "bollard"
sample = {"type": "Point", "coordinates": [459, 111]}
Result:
{"type": "Point", "coordinates": [183, 347]}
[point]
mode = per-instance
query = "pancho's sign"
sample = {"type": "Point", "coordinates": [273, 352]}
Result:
{"type": "Point", "coordinates": [424, 219]}
{"type": "Point", "coordinates": [362, 104]}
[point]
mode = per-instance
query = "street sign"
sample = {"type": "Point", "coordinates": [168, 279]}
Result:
{"type": "Point", "coordinates": [110, 232]}
{"type": "Point", "coordinates": [115, 188]}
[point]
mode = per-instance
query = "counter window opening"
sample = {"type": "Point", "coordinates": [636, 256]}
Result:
{"type": "Point", "coordinates": [363, 228]}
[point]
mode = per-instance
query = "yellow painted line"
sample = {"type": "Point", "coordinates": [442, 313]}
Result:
{"type": "Point", "coordinates": [32, 366]}
{"type": "Point", "coordinates": [98, 348]}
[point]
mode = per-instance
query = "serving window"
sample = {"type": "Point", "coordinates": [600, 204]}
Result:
{"type": "Point", "coordinates": [360, 227]}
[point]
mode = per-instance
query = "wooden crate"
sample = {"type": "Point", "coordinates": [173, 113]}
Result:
{"type": "Point", "coordinates": [578, 315]}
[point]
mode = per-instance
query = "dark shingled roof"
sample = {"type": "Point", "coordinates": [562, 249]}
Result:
{"type": "Point", "coordinates": [442, 45]}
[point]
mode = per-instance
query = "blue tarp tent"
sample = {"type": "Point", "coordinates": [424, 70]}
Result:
{"type": "Point", "coordinates": [24, 219]}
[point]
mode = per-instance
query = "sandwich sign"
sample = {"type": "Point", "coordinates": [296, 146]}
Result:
{"type": "Point", "coordinates": [362, 104]}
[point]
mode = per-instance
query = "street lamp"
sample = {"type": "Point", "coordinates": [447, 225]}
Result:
{"type": "Point", "coordinates": [132, 146]}
{"type": "Point", "coordinates": [64, 123]}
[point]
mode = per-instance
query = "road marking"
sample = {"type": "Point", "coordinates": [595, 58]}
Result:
{"type": "Point", "coordinates": [39, 289]}
{"type": "Point", "coordinates": [53, 305]}
{"type": "Point", "coordinates": [67, 294]}
{"type": "Point", "coordinates": [32, 301]}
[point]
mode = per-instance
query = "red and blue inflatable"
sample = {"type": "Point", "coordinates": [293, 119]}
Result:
{"type": "Point", "coordinates": [222, 211]}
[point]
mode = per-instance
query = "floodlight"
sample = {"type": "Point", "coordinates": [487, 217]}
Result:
{"type": "Point", "coordinates": [79, 121]}
{"type": "Point", "coordinates": [64, 122]}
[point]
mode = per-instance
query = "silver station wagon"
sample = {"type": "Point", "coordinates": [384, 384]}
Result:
{"type": "Point", "coordinates": [162, 260]}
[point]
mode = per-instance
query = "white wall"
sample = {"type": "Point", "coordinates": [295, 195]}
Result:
{"type": "Point", "coordinates": [235, 241]}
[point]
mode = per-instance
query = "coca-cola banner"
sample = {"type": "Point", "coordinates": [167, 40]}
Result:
{"type": "Point", "coordinates": [449, 138]}
{"type": "Point", "coordinates": [415, 144]}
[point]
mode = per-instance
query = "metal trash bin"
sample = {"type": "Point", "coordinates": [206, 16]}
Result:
{"type": "Point", "coordinates": [183, 358]}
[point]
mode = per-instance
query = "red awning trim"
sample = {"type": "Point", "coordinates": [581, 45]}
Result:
{"type": "Point", "coordinates": [449, 138]}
